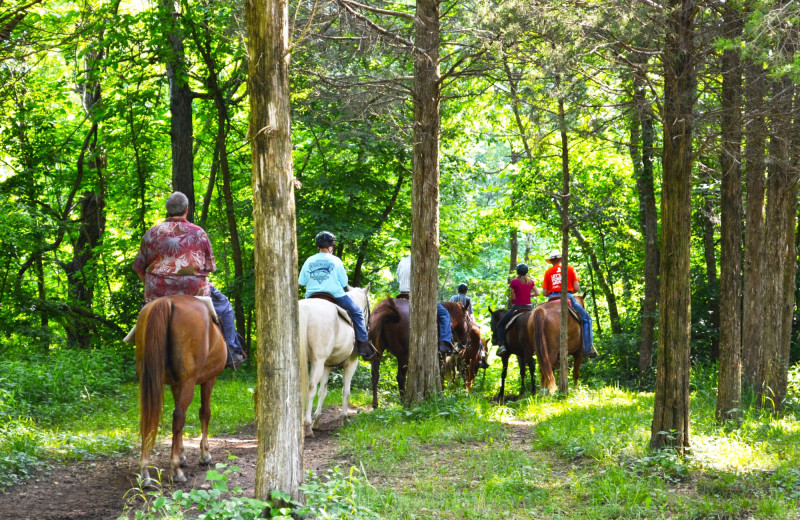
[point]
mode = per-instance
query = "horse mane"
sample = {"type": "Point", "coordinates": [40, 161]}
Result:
{"type": "Point", "coordinates": [454, 306]}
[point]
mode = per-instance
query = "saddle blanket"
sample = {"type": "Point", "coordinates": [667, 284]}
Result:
{"type": "Point", "coordinates": [130, 338]}
{"type": "Point", "coordinates": [572, 311]}
{"type": "Point", "coordinates": [329, 298]}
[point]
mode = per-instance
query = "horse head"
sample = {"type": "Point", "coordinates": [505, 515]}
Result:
{"type": "Point", "coordinates": [495, 315]}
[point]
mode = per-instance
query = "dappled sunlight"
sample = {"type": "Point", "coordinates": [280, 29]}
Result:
{"type": "Point", "coordinates": [730, 454]}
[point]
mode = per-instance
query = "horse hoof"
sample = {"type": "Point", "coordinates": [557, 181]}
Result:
{"type": "Point", "coordinates": [206, 460]}
{"type": "Point", "coordinates": [308, 432]}
{"type": "Point", "coordinates": [179, 477]}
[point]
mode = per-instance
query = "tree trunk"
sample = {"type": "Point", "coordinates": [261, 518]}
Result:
{"type": "Point", "coordinates": [755, 161]}
{"type": "Point", "coordinates": [423, 368]}
{"type": "Point", "coordinates": [180, 105]}
{"type": "Point", "coordinates": [729, 396]}
{"type": "Point", "coordinates": [513, 247]}
{"type": "Point", "coordinates": [710, 256]}
{"type": "Point", "coordinates": [670, 426]}
{"type": "Point", "coordinates": [278, 407]}
{"type": "Point", "coordinates": [608, 292]}
{"type": "Point", "coordinates": [649, 222]}
{"type": "Point", "coordinates": [780, 254]}
{"type": "Point", "coordinates": [563, 348]}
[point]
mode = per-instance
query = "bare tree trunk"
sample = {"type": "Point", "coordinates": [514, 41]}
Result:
{"type": "Point", "coordinates": [729, 394]}
{"type": "Point", "coordinates": [710, 256]}
{"type": "Point", "coordinates": [513, 247]}
{"type": "Point", "coordinates": [611, 299]}
{"type": "Point", "coordinates": [649, 223]}
{"type": "Point", "coordinates": [670, 426]}
{"type": "Point", "coordinates": [423, 368]}
{"type": "Point", "coordinates": [278, 407]}
{"type": "Point", "coordinates": [781, 202]}
{"type": "Point", "coordinates": [563, 348]}
{"type": "Point", "coordinates": [180, 105]}
{"type": "Point", "coordinates": [755, 161]}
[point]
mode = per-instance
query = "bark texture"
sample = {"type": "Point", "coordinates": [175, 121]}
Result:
{"type": "Point", "coordinates": [648, 216]}
{"type": "Point", "coordinates": [180, 105]}
{"type": "Point", "coordinates": [670, 425]}
{"type": "Point", "coordinates": [780, 253]}
{"type": "Point", "coordinates": [729, 394]}
{"type": "Point", "coordinates": [278, 407]}
{"type": "Point", "coordinates": [563, 346]}
{"type": "Point", "coordinates": [708, 219]}
{"type": "Point", "coordinates": [755, 167]}
{"type": "Point", "coordinates": [423, 368]}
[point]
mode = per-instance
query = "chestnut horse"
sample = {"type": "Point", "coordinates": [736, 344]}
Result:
{"type": "Point", "coordinates": [178, 344]}
{"type": "Point", "coordinates": [518, 343]}
{"type": "Point", "coordinates": [544, 326]}
{"type": "Point", "coordinates": [468, 335]}
{"type": "Point", "coordinates": [389, 329]}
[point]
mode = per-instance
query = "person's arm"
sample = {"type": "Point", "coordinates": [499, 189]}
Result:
{"type": "Point", "coordinates": [341, 274]}
{"type": "Point", "coordinates": [141, 276]}
{"type": "Point", "coordinates": [576, 286]}
{"type": "Point", "coordinates": [535, 291]}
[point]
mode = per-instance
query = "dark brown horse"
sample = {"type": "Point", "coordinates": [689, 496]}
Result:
{"type": "Point", "coordinates": [389, 329]}
{"type": "Point", "coordinates": [544, 326]}
{"type": "Point", "coordinates": [468, 336]}
{"type": "Point", "coordinates": [518, 343]}
{"type": "Point", "coordinates": [178, 344]}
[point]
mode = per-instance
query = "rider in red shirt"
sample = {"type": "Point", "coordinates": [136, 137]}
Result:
{"type": "Point", "coordinates": [551, 287]}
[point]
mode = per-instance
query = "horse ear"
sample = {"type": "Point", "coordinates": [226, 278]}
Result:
{"type": "Point", "coordinates": [368, 286]}
{"type": "Point", "coordinates": [490, 310]}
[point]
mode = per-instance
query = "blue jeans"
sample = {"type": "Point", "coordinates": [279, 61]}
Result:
{"type": "Point", "coordinates": [225, 312]}
{"type": "Point", "coordinates": [355, 314]}
{"type": "Point", "coordinates": [586, 321]}
{"type": "Point", "coordinates": [443, 317]}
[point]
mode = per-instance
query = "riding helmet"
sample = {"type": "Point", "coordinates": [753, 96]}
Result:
{"type": "Point", "coordinates": [554, 254]}
{"type": "Point", "coordinates": [462, 288]}
{"type": "Point", "coordinates": [522, 269]}
{"type": "Point", "coordinates": [324, 239]}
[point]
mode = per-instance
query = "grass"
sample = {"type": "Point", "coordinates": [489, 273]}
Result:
{"type": "Point", "coordinates": [459, 456]}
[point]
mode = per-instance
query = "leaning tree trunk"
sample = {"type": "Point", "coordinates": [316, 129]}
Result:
{"type": "Point", "coordinates": [710, 255]}
{"type": "Point", "coordinates": [670, 426]}
{"type": "Point", "coordinates": [423, 369]}
{"type": "Point", "coordinates": [755, 167]}
{"type": "Point", "coordinates": [649, 222]}
{"type": "Point", "coordinates": [563, 347]}
{"type": "Point", "coordinates": [180, 105]}
{"type": "Point", "coordinates": [513, 247]}
{"type": "Point", "coordinates": [729, 394]}
{"type": "Point", "coordinates": [278, 407]}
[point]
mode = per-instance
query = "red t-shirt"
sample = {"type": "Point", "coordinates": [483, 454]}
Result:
{"type": "Point", "coordinates": [552, 279]}
{"type": "Point", "coordinates": [522, 293]}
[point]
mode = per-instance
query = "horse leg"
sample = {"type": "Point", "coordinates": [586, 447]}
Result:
{"type": "Point", "coordinates": [182, 395]}
{"type": "Point", "coordinates": [376, 374]}
{"type": "Point", "coordinates": [402, 368]}
{"type": "Point", "coordinates": [314, 376]}
{"type": "Point", "coordinates": [521, 361]}
{"type": "Point", "coordinates": [576, 368]}
{"type": "Point", "coordinates": [205, 416]}
{"type": "Point", "coordinates": [501, 395]}
{"type": "Point", "coordinates": [148, 439]}
{"type": "Point", "coordinates": [532, 371]}
{"type": "Point", "coordinates": [322, 393]}
{"type": "Point", "coordinates": [348, 372]}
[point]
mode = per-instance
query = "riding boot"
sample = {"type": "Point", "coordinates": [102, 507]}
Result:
{"type": "Point", "coordinates": [236, 357]}
{"type": "Point", "coordinates": [366, 350]}
{"type": "Point", "coordinates": [591, 353]}
{"type": "Point", "coordinates": [502, 350]}
{"type": "Point", "coordinates": [446, 347]}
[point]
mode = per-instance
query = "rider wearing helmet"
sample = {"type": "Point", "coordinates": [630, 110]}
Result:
{"type": "Point", "coordinates": [520, 289]}
{"type": "Point", "coordinates": [551, 287]}
{"type": "Point", "coordinates": [324, 272]}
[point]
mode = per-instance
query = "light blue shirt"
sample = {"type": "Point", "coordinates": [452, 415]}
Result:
{"type": "Point", "coordinates": [323, 272]}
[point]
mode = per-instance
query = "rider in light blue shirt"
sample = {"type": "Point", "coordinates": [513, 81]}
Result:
{"type": "Point", "coordinates": [324, 272]}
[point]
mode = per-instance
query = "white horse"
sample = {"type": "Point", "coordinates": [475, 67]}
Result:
{"type": "Point", "coordinates": [327, 340]}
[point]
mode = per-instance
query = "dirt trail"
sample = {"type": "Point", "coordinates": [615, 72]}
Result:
{"type": "Point", "coordinates": [96, 490]}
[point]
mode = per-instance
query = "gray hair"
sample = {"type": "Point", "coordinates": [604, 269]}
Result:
{"type": "Point", "coordinates": [177, 204]}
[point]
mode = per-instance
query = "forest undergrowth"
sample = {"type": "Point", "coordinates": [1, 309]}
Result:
{"type": "Point", "coordinates": [460, 456]}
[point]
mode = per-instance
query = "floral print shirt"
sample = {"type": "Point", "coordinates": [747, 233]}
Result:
{"type": "Point", "coordinates": [175, 258]}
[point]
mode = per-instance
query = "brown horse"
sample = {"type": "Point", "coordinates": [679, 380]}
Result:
{"type": "Point", "coordinates": [468, 335]}
{"type": "Point", "coordinates": [544, 326]}
{"type": "Point", "coordinates": [177, 343]}
{"type": "Point", "coordinates": [389, 329]}
{"type": "Point", "coordinates": [518, 343]}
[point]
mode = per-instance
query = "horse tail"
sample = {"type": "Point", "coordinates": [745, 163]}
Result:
{"type": "Point", "coordinates": [540, 344]}
{"type": "Point", "coordinates": [302, 334]}
{"type": "Point", "coordinates": [154, 353]}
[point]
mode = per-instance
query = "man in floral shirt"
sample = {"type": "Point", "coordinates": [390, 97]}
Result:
{"type": "Point", "coordinates": [176, 258]}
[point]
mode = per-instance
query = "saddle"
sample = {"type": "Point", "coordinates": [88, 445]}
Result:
{"type": "Point", "coordinates": [402, 296]}
{"type": "Point", "coordinates": [329, 297]}
{"type": "Point", "coordinates": [571, 309]}
{"type": "Point", "coordinates": [514, 316]}
{"type": "Point", "coordinates": [205, 299]}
